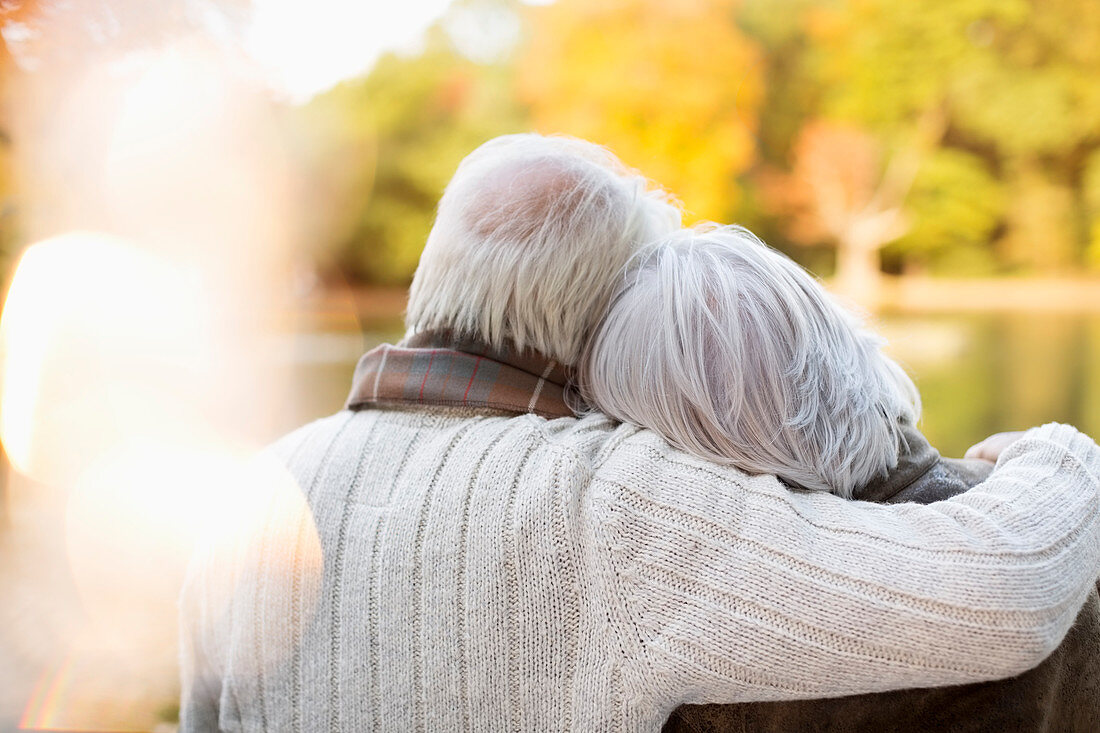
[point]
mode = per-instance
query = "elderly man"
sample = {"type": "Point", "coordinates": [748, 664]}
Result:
{"type": "Point", "coordinates": [486, 560]}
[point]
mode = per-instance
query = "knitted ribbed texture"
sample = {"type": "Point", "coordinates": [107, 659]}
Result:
{"type": "Point", "coordinates": [511, 573]}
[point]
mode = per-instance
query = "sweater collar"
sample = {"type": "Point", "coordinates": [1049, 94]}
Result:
{"type": "Point", "coordinates": [916, 457]}
{"type": "Point", "coordinates": [440, 368]}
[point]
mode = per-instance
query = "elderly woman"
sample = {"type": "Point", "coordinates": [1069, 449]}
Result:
{"type": "Point", "coordinates": [732, 352]}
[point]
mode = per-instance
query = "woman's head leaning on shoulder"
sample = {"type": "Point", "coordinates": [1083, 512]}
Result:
{"type": "Point", "coordinates": [734, 353]}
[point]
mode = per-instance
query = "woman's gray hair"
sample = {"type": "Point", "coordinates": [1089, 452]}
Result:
{"type": "Point", "coordinates": [528, 240]}
{"type": "Point", "coordinates": [734, 353]}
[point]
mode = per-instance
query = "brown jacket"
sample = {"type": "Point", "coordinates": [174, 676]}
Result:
{"type": "Point", "coordinates": [1061, 694]}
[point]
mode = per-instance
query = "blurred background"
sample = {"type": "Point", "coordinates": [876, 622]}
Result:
{"type": "Point", "coordinates": [210, 208]}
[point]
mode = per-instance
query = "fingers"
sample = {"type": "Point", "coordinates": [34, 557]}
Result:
{"type": "Point", "coordinates": [991, 448]}
{"type": "Point", "coordinates": [979, 451]}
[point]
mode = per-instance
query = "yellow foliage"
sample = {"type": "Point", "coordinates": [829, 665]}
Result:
{"type": "Point", "coordinates": [673, 88]}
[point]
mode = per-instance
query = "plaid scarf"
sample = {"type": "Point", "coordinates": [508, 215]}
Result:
{"type": "Point", "coordinates": [434, 368]}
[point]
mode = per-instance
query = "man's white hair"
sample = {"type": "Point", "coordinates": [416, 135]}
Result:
{"type": "Point", "coordinates": [734, 353]}
{"type": "Point", "coordinates": [528, 241]}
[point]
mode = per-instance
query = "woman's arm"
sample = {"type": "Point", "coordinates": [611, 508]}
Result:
{"type": "Point", "coordinates": [733, 588]}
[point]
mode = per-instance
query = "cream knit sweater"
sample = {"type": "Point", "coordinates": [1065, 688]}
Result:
{"type": "Point", "coordinates": [498, 573]}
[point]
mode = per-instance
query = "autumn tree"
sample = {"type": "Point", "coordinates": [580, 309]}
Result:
{"type": "Point", "coordinates": [840, 191]}
{"type": "Point", "coordinates": [1015, 81]}
{"type": "Point", "coordinates": [673, 88]}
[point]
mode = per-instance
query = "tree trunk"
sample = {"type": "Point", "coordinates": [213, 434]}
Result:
{"type": "Point", "coordinates": [859, 271]}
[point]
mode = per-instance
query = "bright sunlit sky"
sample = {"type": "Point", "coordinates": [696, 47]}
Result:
{"type": "Point", "coordinates": [308, 48]}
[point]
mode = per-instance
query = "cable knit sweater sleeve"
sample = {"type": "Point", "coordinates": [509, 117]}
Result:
{"type": "Point", "coordinates": [726, 587]}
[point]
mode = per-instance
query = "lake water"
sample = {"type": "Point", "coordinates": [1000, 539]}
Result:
{"type": "Point", "coordinates": [977, 373]}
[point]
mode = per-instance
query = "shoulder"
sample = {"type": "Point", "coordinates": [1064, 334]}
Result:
{"type": "Point", "coordinates": [644, 464]}
{"type": "Point", "coordinates": [296, 440]}
{"type": "Point", "coordinates": [626, 469]}
{"type": "Point", "coordinates": [585, 438]}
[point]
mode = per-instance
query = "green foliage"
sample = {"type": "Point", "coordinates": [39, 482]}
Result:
{"type": "Point", "coordinates": [791, 91]}
{"type": "Point", "coordinates": [392, 141]}
{"type": "Point", "coordinates": [1031, 87]}
{"type": "Point", "coordinates": [954, 206]}
{"type": "Point", "coordinates": [1091, 189]}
